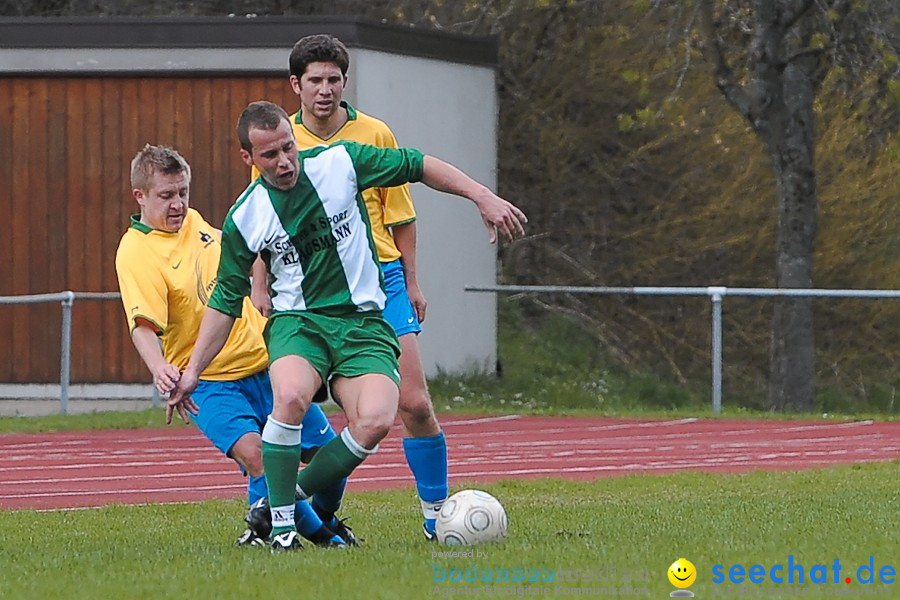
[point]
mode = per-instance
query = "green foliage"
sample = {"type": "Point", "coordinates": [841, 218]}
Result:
{"type": "Point", "coordinates": [646, 116]}
{"type": "Point", "coordinates": [686, 196]}
{"type": "Point", "coordinates": [626, 122]}
{"type": "Point", "coordinates": [819, 40]}
{"type": "Point", "coordinates": [632, 76]}
{"type": "Point", "coordinates": [893, 90]}
{"type": "Point", "coordinates": [182, 551]}
{"type": "Point", "coordinates": [550, 365]}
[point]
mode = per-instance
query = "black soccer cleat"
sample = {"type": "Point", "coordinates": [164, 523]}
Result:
{"type": "Point", "coordinates": [259, 522]}
{"type": "Point", "coordinates": [326, 538]}
{"type": "Point", "coordinates": [286, 542]}
{"type": "Point", "coordinates": [259, 518]}
{"type": "Point", "coordinates": [342, 530]}
{"type": "Point", "coordinates": [249, 538]}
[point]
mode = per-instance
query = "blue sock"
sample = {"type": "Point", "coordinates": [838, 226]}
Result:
{"type": "Point", "coordinates": [328, 501]}
{"type": "Point", "coordinates": [256, 488]}
{"type": "Point", "coordinates": [427, 458]}
{"type": "Point", "coordinates": [306, 519]}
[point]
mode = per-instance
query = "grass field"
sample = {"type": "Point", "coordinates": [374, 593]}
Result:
{"type": "Point", "coordinates": [629, 527]}
{"type": "Point", "coordinates": [627, 530]}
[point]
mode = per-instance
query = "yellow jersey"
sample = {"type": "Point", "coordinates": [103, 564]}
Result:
{"type": "Point", "coordinates": [166, 280]}
{"type": "Point", "coordinates": [387, 207]}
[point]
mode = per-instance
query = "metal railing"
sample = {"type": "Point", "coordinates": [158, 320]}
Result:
{"type": "Point", "coordinates": [716, 295]}
{"type": "Point", "coordinates": [67, 299]}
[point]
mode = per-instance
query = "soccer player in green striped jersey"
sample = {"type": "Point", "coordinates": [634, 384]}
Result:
{"type": "Point", "coordinates": [306, 218]}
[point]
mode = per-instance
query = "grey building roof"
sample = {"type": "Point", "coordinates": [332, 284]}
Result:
{"type": "Point", "coordinates": [239, 32]}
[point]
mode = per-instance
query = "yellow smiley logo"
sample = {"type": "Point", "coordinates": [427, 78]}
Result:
{"type": "Point", "coordinates": [682, 573]}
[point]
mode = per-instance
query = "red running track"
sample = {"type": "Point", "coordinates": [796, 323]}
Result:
{"type": "Point", "coordinates": [177, 464]}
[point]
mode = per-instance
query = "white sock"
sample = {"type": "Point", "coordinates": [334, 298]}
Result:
{"type": "Point", "coordinates": [283, 516]}
{"type": "Point", "coordinates": [431, 509]}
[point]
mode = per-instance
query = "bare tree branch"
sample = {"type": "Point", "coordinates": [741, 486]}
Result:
{"type": "Point", "coordinates": [804, 52]}
{"type": "Point", "coordinates": [724, 74]}
{"type": "Point", "coordinates": [790, 17]}
{"type": "Point", "coordinates": [687, 52]}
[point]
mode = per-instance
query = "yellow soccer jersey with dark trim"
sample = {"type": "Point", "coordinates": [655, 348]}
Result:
{"type": "Point", "coordinates": [166, 280]}
{"type": "Point", "coordinates": [387, 207]}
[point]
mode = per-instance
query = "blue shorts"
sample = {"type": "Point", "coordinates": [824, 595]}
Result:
{"type": "Point", "coordinates": [229, 410]}
{"type": "Point", "coordinates": [398, 310]}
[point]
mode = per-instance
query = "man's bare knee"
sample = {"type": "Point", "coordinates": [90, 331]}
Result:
{"type": "Point", "coordinates": [293, 401]}
{"type": "Point", "coordinates": [416, 408]}
{"type": "Point", "coordinates": [371, 429]}
{"type": "Point", "coordinates": [417, 414]}
{"type": "Point", "coordinates": [247, 451]}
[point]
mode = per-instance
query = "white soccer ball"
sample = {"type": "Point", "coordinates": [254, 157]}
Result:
{"type": "Point", "coordinates": [471, 517]}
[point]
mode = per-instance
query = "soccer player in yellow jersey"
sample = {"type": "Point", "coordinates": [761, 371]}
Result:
{"type": "Point", "coordinates": [166, 264]}
{"type": "Point", "coordinates": [318, 74]}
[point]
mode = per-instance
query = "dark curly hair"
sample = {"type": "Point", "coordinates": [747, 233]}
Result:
{"type": "Point", "coordinates": [321, 47]}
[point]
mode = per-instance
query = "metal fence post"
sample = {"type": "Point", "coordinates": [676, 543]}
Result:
{"type": "Point", "coordinates": [716, 294]}
{"type": "Point", "coordinates": [65, 351]}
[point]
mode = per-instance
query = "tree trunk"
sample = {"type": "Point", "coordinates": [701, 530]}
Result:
{"type": "Point", "coordinates": [792, 357]}
{"type": "Point", "coordinates": [778, 103]}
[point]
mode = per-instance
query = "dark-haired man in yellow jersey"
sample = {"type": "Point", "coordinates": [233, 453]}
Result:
{"type": "Point", "coordinates": [318, 74]}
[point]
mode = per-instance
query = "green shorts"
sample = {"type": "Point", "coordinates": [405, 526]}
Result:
{"type": "Point", "coordinates": [347, 346]}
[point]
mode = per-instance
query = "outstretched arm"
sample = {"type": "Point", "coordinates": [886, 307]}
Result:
{"type": "Point", "coordinates": [496, 212]}
{"type": "Point", "coordinates": [214, 332]}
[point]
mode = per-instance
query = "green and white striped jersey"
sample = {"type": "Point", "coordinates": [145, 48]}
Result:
{"type": "Point", "coordinates": [315, 238]}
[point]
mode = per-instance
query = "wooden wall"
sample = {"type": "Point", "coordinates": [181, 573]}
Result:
{"type": "Point", "coordinates": [65, 148]}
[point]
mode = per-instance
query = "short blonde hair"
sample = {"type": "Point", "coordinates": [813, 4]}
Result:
{"type": "Point", "coordinates": [156, 159]}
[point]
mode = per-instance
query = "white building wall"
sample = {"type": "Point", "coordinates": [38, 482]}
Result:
{"type": "Point", "coordinates": [448, 110]}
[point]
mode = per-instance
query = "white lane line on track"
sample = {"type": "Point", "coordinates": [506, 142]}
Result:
{"type": "Point", "coordinates": [456, 476]}
{"type": "Point", "coordinates": [195, 436]}
{"type": "Point", "coordinates": [718, 462]}
{"type": "Point", "coordinates": [672, 440]}
{"type": "Point", "coordinates": [560, 459]}
{"type": "Point", "coordinates": [478, 421]}
{"type": "Point", "coordinates": [617, 432]}
{"type": "Point", "coordinates": [93, 440]}
{"type": "Point", "coordinates": [162, 463]}
{"type": "Point", "coordinates": [195, 442]}
{"type": "Point", "coordinates": [575, 426]}
{"type": "Point", "coordinates": [137, 476]}
{"type": "Point", "coordinates": [653, 466]}
{"type": "Point", "coordinates": [101, 506]}
{"type": "Point", "coordinates": [121, 492]}
{"type": "Point", "coordinates": [208, 456]}
{"type": "Point", "coordinates": [668, 423]}
{"type": "Point", "coordinates": [824, 426]}
{"type": "Point", "coordinates": [466, 475]}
